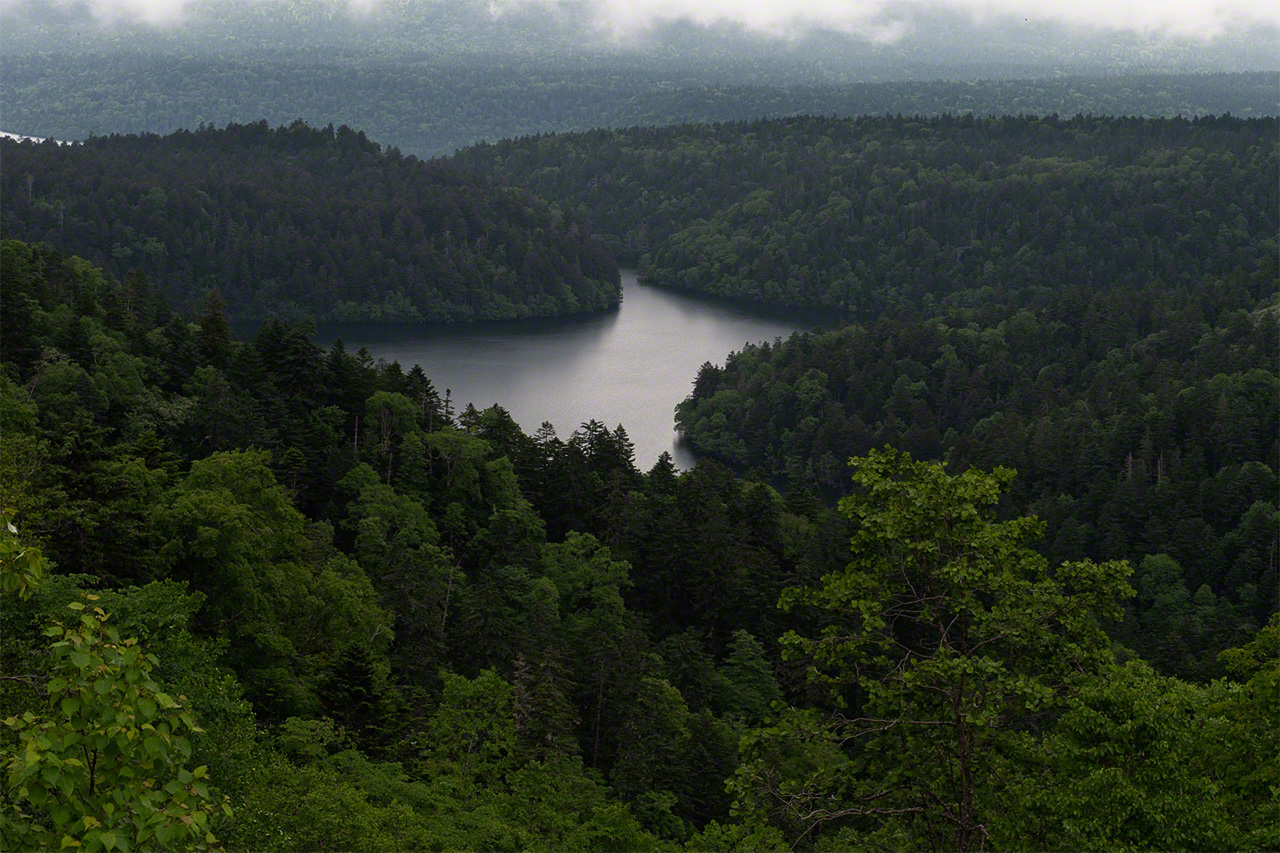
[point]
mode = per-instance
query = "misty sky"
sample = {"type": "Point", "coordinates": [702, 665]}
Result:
{"type": "Point", "coordinates": [879, 20]}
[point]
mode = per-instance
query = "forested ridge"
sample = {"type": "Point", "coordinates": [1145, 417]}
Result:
{"type": "Point", "coordinates": [333, 613]}
{"type": "Point", "coordinates": [1140, 421]}
{"type": "Point", "coordinates": [266, 595]}
{"type": "Point", "coordinates": [296, 221]}
{"type": "Point", "coordinates": [449, 633]}
{"type": "Point", "coordinates": [882, 214]}
{"type": "Point", "coordinates": [432, 105]}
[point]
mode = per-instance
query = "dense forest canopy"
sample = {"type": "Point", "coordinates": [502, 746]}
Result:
{"type": "Point", "coordinates": [887, 213]}
{"type": "Point", "coordinates": [435, 104]}
{"type": "Point", "coordinates": [1021, 590]}
{"type": "Point", "coordinates": [299, 220]}
{"type": "Point", "coordinates": [1139, 420]}
{"type": "Point", "coordinates": [352, 618]}
{"type": "Point", "coordinates": [497, 622]}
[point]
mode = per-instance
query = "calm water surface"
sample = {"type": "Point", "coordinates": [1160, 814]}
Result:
{"type": "Point", "coordinates": [630, 366]}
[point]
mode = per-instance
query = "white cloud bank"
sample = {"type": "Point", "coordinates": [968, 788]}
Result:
{"type": "Point", "coordinates": [881, 20]}
{"type": "Point", "coordinates": [1198, 19]}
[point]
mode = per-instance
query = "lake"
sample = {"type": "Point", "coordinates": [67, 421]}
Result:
{"type": "Point", "coordinates": [628, 366]}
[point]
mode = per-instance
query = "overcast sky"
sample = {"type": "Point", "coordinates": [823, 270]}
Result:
{"type": "Point", "coordinates": [882, 20]}
{"type": "Point", "coordinates": [1182, 18]}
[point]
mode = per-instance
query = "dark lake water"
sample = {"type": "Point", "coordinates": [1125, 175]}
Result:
{"type": "Point", "coordinates": [629, 366]}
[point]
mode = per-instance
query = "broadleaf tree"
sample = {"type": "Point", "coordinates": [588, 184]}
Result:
{"type": "Point", "coordinates": [105, 768]}
{"type": "Point", "coordinates": [947, 640]}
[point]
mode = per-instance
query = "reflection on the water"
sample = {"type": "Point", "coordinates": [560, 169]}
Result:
{"type": "Point", "coordinates": [629, 366]}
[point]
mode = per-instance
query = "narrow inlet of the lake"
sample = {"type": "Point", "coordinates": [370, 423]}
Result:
{"type": "Point", "coordinates": [630, 366]}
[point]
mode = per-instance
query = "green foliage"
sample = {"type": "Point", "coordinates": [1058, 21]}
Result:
{"type": "Point", "coordinates": [22, 565]}
{"type": "Point", "coordinates": [750, 680]}
{"type": "Point", "coordinates": [22, 455]}
{"type": "Point", "coordinates": [397, 545]}
{"type": "Point", "coordinates": [927, 548]}
{"type": "Point", "coordinates": [1125, 771]}
{"type": "Point", "coordinates": [160, 615]}
{"type": "Point", "coordinates": [472, 733]}
{"type": "Point", "coordinates": [106, 769]}
{"type": "Point", "coordinates": [272, 585]}
{"type": "Point", "coordinates": [880, 213]}
{"type": "Point", "coordinates": [736, 838]}
{"type": "Point", "coordinates": [417, 240]}
{"type": "Point", "coordinates": [655, 740]}
{"type": "Point", "coordinates": [1142, 422]}
{"type": "Point", "coordinates": [1139, 761]}
{"type": "Point", "coordinates": [312, 808]}
{"type": "Point", "coordinates": [334, 798]}
{"type": "Point", "coordinates": [1242, 746]}
{"type": "Point", "coordinates": [471, 790]}
{"type": "Point", "coordinates": [356, 694]}
{"type": "Point", "coordinates": [478, 639]}
{"type": "Point", "coordinates": [947, 636]}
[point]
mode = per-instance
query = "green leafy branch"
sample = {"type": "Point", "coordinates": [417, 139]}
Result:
{"type": "Point", "coordinates": [104, 770]}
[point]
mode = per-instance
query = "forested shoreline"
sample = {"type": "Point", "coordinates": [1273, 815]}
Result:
{"type": "Point", "coordinates": [299, 221]}
{"type": "Point", "coordinates": [375, 623]}
{"type": "Point", "coordinates": [884, 214]}
{"type": "Point", "coordinates": [1020, 591]}
{"type": "Point", "coordinates": [1140, 421]}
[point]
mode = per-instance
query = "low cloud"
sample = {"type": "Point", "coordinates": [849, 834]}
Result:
{"type": "Point", "coordinates": [154, 12]}
{"type": "Point", "coordinates": [887, 19]}
{"type": "Point", "coordinates": [878, 20]}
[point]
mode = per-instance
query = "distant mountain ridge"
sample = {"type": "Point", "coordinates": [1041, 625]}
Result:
{"type": "Point", "coordinates": [434, 106]}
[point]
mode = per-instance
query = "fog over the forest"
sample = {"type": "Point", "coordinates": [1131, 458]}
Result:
{"type": "Point", "coordinates": [876, 20]}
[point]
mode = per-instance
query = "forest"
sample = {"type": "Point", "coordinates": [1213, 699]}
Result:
{"type": "Point", "coordinates": [884, 214]}
{"type": "Point", "coordinates": [432, 105]}
{"type": "Point", "coordinates": [264, 595]}
{"type": "Point", "coordinates": [300, 221]}
{"type": "Point", "coordinates": [1139, 421]}
{"type": "Point", "coordinates": [990, 563]}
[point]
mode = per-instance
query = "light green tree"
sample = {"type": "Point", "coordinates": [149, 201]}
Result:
{"type": "Point", "coordinates": [947, 639]}
{"type": "Point", "coordinates": [274, 587]}
{"type": "Point", "coordinates": [1123, 769]}
{"type": "Point", "coordinates": [1140, 761]}
{"type": "Point", "coordinates": [104, 769]}
{"type": "Point", "coordinates": [1243, 743]}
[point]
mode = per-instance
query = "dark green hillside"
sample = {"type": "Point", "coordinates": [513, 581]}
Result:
{"type": "Point", "coordinates": [298, 220]}
{"type": "Point", "coordinates": [402, 627]}
{"type": "Point", "coordinates": [1140, 422]}
{"type": "Point", "coordinates": [875, 214]}
{"type": "Point", "coordinates": [263, 596]}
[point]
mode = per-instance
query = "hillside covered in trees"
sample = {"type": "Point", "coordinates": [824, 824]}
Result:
{"type": "Point", "coordinates": [1139, 420]}
{"type": "Point", "coordinates": [266, 595]}
{"type": "Point", "coordinates": [335, 614]}
{"type": "Point", "coordinates": [430, 76]}
{"type": "Point", "coordinates": [296, 221]}
{"type": "Point", "coordinates": [432, 105]}
{"type": "Point", "coordinates": [882, 214]}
